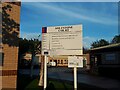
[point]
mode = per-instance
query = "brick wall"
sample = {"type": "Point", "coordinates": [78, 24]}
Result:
{"type": "Point", "coordinates": [10, 37]}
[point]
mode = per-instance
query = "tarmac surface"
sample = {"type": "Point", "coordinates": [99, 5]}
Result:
{"type": "Point", "coordinates": [66, 74]}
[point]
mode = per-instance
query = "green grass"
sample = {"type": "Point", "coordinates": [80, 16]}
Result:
{"type": "Point", "coordinates": [33, 85]}
{"type": "Point", "coordinates": [52, 85]}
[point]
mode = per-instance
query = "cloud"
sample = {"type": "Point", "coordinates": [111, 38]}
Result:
{"type": "Point", "coordinates": [30, 35]}
{"type": "Point", "coordinates": [92, 16]}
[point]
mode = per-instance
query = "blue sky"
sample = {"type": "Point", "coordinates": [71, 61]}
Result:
{"type": "Point", "coordinates": [99, 19]}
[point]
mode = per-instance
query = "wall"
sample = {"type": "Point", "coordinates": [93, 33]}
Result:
{"type": "Point", "coordinates": [10, 37]}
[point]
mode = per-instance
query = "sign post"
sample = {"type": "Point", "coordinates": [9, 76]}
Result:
{"type": "Point", "coordinates": [75, 78]}
{"type": "Point", "coordinates": [75, 61]}
{"type": "Point", "coordinates": [45, 69]}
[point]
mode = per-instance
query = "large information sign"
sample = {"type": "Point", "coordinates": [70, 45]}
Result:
{"type": "Point", "coordinates": [62, 40]}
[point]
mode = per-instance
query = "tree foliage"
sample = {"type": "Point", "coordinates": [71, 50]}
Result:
{"type": "Point", "coordinates": [31, 46]}
{"type": "Point", "coordinates": [99, 43]}
{"type": "Point", "coordinates": [116, 39]}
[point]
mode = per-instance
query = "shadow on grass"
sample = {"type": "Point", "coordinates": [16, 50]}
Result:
{"type": "Point", "coordinates": [23, 81]}
{"type": "Point", "coordinates": [52, 85]}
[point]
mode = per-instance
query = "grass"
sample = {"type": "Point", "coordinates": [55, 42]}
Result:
{"type": "Point", "coordinates": [23, 81]}
{"type": "Point", "coordinates": [26, 83]}
{"type": "Point", "coordinates": [52, 85]}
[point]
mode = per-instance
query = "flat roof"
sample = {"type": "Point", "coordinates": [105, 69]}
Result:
{"type": "Point", "coordinates": [107, 46]}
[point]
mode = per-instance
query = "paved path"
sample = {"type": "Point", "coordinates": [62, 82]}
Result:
{"type": "Point", "coordinates": [61, 74]}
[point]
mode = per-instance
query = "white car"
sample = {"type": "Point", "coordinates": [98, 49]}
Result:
{"type": "Point", "coordinates": [51, 64]}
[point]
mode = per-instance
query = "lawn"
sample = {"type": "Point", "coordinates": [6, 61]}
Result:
{"type": "Point", "coordinates": [26, 83]}
{"type": "Point", "coordinates": [23, 81]}
{"type": "Point", "coordinates": [52, 85]}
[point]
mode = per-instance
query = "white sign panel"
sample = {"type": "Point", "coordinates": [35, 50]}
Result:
{"type": "Point", "coordinates": [62, 40]}
{"type": "Point", "coordinates": [75, 61]}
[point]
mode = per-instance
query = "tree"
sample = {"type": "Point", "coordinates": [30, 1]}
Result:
{"type": "Point", "coordinates": [35, 46]}
{"type": "Point", "coordinates": [116, 39]}
{"type": "Point", "coordinates": [99, 43]}
{"type": "Point", "coordinates": [31, 46]}
{"type": "Point", "coordinates": [41, 72]}
{"type": "Point", "coordinates": [23, 46]}
{"type": "Point", "coordinates": [85, 50]}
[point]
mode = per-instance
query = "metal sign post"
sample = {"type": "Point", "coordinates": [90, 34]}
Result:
{"type": "Point", "coordinates": [45, 70]}
{"type": "Point", "coordinates": [75, 78]}
{"type": "Point", "coordinates": [75, 62]}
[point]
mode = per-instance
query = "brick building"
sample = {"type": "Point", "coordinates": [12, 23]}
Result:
{"type": "Point", "coordinates": [63, 60]}
{"type": "Point", "coordinates": [9, 44]}
{"type": "Point", "coordinates": [59, 60]}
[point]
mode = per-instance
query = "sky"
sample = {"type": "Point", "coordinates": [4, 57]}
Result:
{"type": "Point", "coordinates": [99, 19]}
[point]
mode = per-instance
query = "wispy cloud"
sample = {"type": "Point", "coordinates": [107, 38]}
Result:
{"type": "Point", "coordinates": [92, 16]}
{"type": "Point", "coordinates": [29, 36]}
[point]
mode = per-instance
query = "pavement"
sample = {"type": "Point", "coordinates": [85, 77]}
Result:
{"type": "Point", "coordinates": [65, 74]}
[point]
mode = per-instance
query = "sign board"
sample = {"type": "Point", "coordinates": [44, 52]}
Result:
{"type": "Point", "coordinates": [75, 61]}
{"type": "Point", "coordinates": [62, 40]}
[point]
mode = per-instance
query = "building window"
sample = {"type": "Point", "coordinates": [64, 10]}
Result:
{"type": "Point", "coordinates": [65, 62]}
{"type": "Point", "coordinates": [1, 58]}
{"type": "Point", "coordinates": [55, 60]}
{"type": "Point", "coordinates": [58, 61]}
{"type": "Point", "coordinates": [61, 61]}
{"type": "Point", "coordinates": [110, 57]}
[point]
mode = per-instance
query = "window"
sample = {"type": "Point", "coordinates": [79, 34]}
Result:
{"type": "Point", "coordinates": [58, 61]}
{"type": "Point", "coordinates": [64, 61]}
{"type": "Point", "coordinates": [1, 58]}
{"type": "Point", "coordinates": [61, 61]}
{"type": "Point", "coordinates": [110, 56]}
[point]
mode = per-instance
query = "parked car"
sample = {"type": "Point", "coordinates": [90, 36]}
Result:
{"type": "Point", "coordinates": [51, 64]}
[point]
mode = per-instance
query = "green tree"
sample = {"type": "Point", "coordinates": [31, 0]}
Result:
{"type": "Point", "coordinates": [101, 42]}
{"type": "Point", "coordinates": [35, 46]}
{"type": "Point", "coordinates": [85, 50]}
{"type": "Point", "coordinates": [32, 46]}
{"type": "Point", "coordinates": [116, 39]}
{"type": "Point", "coordinates": [23, 46]}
